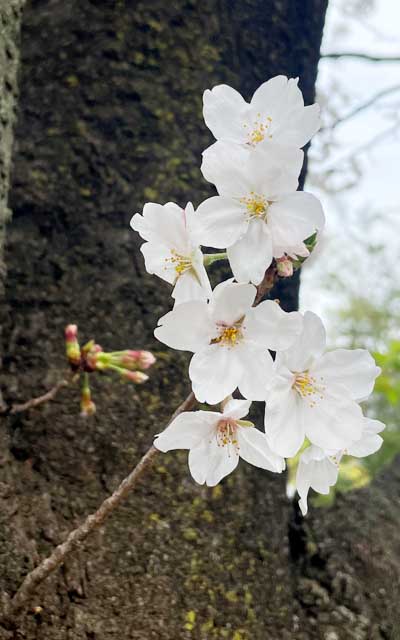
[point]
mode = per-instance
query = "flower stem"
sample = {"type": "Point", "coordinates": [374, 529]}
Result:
{"type": "Point", "coordinates": [209, 258]}
{"type": "Point", "coordinates": [92, 522]}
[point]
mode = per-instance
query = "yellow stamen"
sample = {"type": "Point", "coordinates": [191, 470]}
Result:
{"type": "Point", "coordinates": [308, 387]}
{"type": "Point", "coordinates": [256, 205]}
{"type": "Point", "coordinates": [227, 434]}
{"type": "Point", "coordinates": [259, 131]}
{"type": "Point", "coordinates": [180, 263]}
{"type": "Point", "coordinates": [229, 336]}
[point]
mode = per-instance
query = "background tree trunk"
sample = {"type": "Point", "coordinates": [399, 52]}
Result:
{"type": "Point", "coordinates": [10, 19]}
{"type": "Point", "coordinates": [110, 117]}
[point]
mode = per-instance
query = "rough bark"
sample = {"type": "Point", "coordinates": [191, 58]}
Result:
{"type": "Point", "coordinates": [110, 116]}
{"type": "Point", "coordinates": [10, 19]}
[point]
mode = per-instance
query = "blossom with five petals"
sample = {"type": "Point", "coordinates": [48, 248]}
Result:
{"type": "Point", "coordinates": [230, 340]}
{"type": "Point", "coordinates": [170, 251]}
{"type": "Point", "coordinates": [258, 214]}
{"type": "Point", "coordinates": [276, 115]}
{"type": "Point", "coordinates": [217, 440]}
{"type": "Point", "coordinates": [316, 394]}
{"type": "Point", "coordinates": [319, 469]}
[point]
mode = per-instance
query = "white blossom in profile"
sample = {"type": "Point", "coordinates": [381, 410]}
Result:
{"type": "Point", "coordinates": [216, 441]}
{"type": "Point", "coordinates": [170, 251]}
{"type": "Point", "coordinates": [316, 394]}
{"type": "Point", "coordinates": [230, 340]}
{"type": "Point", "coordinates": [319, 469]}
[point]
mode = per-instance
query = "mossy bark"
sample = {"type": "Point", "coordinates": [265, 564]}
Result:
{"type": "Point", "coordinates": [110, 116]}
{"type": "Point", "coordinates": [10, 20]}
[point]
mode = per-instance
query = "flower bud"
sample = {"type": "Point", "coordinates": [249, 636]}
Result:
{"type": "Point", "coordinates": [284, 267]}
{"type": "Point", "coordinates": [88, 407]}
{"type": "Point", "coordinates": [134, 376]}
{"type": "Point", "coordinates": [136, 359]}
{"type": "Point", "coordinates": [73, 351]}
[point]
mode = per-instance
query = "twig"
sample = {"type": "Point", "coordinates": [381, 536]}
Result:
{"type": "Point", "coordinates": [265, 286]}
{"type": "Point", "coordinates": [35, 402]}
{"type": "Point", "coordinates": [365, 105]}
{"type": "Point", "coordinates": [360, 56]}
{"type": "Point", "coordinates": [93, 521]}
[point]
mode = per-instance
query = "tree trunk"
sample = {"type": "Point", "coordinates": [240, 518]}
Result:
{"type": "Point", "coordinates": [110, 117]}
{"type": "Point", "coordinates": [10, 19]}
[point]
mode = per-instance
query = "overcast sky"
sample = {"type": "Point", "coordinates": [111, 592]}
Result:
{"type": "Point", "coordinates": [369, 211]}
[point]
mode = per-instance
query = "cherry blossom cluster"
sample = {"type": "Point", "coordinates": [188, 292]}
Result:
{"type": "Point", "coordinates": [258, 218]}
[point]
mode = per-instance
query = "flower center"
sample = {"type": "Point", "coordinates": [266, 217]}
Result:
{"type": "Point", "coordinates": [308, 387]}
{"type": "Point", "coordinates": [179, 262]}
{"type": "Point", "coordinates": [256, 206]}
{"type": "Point", "coordinates": [228, 336]}
{"type": "Point", "coordinates": [259, 131]}
{"type": "Point", "coordinates": [227, 433]}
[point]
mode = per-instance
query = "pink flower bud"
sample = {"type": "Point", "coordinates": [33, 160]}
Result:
{"type": "Point", "coordinates": [71, 333]}
{"type": "Point", "coordinates": [284, 267]}
{"type": "Point", "coordinates": [137, 359]}
{"type": "Point", "coordinates": [88, 407]}
{"type": "Point", "coordinates": [135, 376]}
{"type": "Point", "coordinates": [73, 350]}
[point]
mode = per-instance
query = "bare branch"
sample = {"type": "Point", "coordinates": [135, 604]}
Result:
{"type": "Point", "coordinates": [35, 402]}
{"type": "Point", "coordinates": [365, 105]}
{"type": "Point", "coordinates": [92, 522]}
{"type": "Point", "coordinates": [360, 56]}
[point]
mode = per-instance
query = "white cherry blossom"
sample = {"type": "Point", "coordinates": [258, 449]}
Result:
{"type": "Point", "coordinates": [319, 469]}
{"type": "Point", "coordinates": [171, 251]}
{"type": "Point", "coordinates": [275, 116]}
{"type": "Point", "coordinates": [258, 213]}
{"type": "Point", "coordinates": [230, 340]}
{"type": "Point", "coordinates": [316, 394]}
{"type": "Point", "coordinates": [216, 441]}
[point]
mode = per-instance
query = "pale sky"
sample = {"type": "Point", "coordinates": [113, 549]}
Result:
{"type": "Point", "coordinates": [369, 211]}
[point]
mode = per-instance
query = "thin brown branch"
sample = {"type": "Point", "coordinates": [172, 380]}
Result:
{"type": "Point", "coordinates": [35, 402]}
{"type": "Point", "coordinates": [265, 286]}
{"type": "Point", "coordinates": [360, 56]}
{"type": "Point", "coordinates": [92, 522]}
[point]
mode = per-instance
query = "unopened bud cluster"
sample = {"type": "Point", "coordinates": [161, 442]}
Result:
{"type": "Point", "coordinates": [128, 364]}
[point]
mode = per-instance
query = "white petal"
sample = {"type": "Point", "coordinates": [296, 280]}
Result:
{"type": "Point", "coordinates": [369, 441]}
{"type": "Point", "coordinates": [187, 430]}
{"type": "Point", "coordinates": [251, 255]}
{"type": "Point", "coordinates": [209, 463]}
{"type": "Point", "coordinates": [283, 422]}
{"type": "Point", "coordinates": [224, 164]}
{"type": "Point", "coordinates": [269, 325]}
{"type": "Point", "coordinates": [257, 367]}
{"type": "Point", "coordinates": [254, 448]}
{"type": "Point", "coordinates": [224, 112]}
{"type": "Point", "coordinates": [231, 301]}
{"type": "Point", "coordinates": [269, 98]}
{"type": "Point", "coordinates": [316, 471]}
{"type": "Point", "coordinates": [331, 421]}
{"type": "Point", "coordinates": [188, 287]}
{"type": "Point", "coordinates": [308, 346]}
{"type": "Point", "coordinates": [299, 126]}
{"type": "Point", "coordinates": [188, 327]}
{"type": "Point", "coordinates": [219, 222]}
{"type": "Point", "coordinates": [157, 261]}
{"type": "Point", "coordinates": [294, 218]}
{"type": "Point", "coordinates": [355, 369]}
{"type": "Point", "coordinates": [163, 225]}
{"type": "Point", "coordinates": [215, 372]}
{"type": "Point", "coordinates": [236, 171]}
{"type": "Point", "coordinates": [237, 409]}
